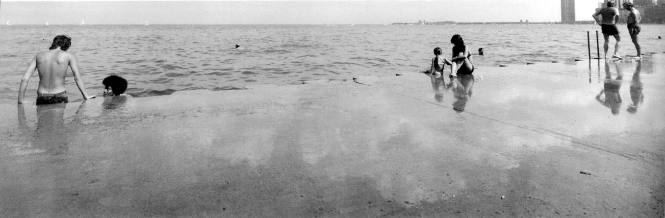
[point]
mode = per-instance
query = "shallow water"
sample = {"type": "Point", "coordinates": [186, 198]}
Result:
{"type": "Point", "coordinates": [161, 59]}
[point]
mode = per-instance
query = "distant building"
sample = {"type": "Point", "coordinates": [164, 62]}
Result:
{"type": "Point", "coordinates": [567, 11]}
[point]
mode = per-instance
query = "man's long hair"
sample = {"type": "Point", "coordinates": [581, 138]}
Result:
{"type": "Point", "coordinates": [61, 41]}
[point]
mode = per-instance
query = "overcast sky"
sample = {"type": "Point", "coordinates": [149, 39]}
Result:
{"type": "Point", "coordinates": [284, 12]}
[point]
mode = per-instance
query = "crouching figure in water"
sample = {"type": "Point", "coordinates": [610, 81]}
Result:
{"type": "Point", "coordinates": [461, 59]}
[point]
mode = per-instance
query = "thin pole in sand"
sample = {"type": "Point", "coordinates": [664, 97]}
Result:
{"type": "Point", "coordinates": [588, 44]}
{"type": "Point", "coordinates": [597, 46]}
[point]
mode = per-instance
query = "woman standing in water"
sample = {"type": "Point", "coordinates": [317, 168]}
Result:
{"type": "Point", "coordinates": [461, 58]}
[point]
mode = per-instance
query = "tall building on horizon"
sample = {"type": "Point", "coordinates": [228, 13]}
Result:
{"type": "Point", "coordinates": [567, 11]}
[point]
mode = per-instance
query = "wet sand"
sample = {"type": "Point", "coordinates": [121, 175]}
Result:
{"type": "Point", "coordinates": [523, 141]}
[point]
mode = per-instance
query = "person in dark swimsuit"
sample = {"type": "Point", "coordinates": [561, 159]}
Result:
{"type": "Point", "coordinates": [461, 57]}
{"type": "Point", "coordinates": [608, 18]}
{"type": "Point", "coordinates": [52, 66]}
{"type": "Point", "coordinates": [438, 63]}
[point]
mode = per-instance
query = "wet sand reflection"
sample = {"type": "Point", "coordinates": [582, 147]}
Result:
{"type": "Point", "coordinates": [463, 89]}
{"type": "Point", "coordinates": [609, 96]}
{"type": "Point", "coordinates": [50, 133]}
{"type": "Point", "coordinates": [636, 87]}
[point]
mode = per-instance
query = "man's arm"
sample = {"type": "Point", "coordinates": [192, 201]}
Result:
{"type": "Point", "coordinates": [26, 77]}
{"type": "Point", "coordinates": [73, 64]}
{"type": "Point", "coordinates": [431, 68]}
{"type": "Point", "coordinates": [638, 17]}
{"type": "Point", "coordinates": [599, 99]}
{"type": "Point", "coordinates": [595, 17]}
{"type": "Point", "coordinates": [616, 16]}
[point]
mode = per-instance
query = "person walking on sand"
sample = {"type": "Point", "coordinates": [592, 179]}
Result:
{"type": "Point", "coordinates": [633, 20]}
{"type": "Point", "coordinates": [609, 16]}
{"type": "Point", "coordinates": [52, 67]}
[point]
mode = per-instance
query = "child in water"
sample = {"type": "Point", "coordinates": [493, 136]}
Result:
{"type": "Point", "coordinates": [114, 85]}
{"type": "Point", "coordinates": [438, 63]}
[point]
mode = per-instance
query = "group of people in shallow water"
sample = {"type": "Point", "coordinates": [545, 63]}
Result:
{"type": "Point", "coordinates": [462, 80]}
{"type": "Point", "coordinates": [461, 73]}
{"type": "Point", "coordinates": [608, 18]}
{"type": "Point", "coordinates": [52, 66]}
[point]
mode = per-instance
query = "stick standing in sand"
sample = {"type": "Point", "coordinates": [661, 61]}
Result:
{"type": "Point", "coordinates": [609, 17]}
{"type": "Point", "coordinates": [52, 67]}
{"type": "Point", "coordinates": [633, 20]}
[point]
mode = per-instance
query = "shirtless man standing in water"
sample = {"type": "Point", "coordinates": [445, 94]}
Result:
{"type": "Point", "coordinates": [52, 67]}
{"type": "Point", "coordinates": [610, 17]}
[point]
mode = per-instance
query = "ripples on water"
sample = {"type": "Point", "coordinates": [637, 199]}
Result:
{"type": "Point", "coordinates": [162, 59]}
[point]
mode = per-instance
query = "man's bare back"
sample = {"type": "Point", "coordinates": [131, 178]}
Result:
{"type": "Point", "coordinates": [609, 15]}
{"type": "Point", "coordinates": [52, 68]}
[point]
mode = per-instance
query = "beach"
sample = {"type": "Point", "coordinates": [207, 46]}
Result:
{"type": "Point", "coordinates": [519, 141]}
{"type": "Point", "coordinates": [162, 59]}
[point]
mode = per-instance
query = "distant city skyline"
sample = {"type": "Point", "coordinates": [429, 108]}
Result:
{"type": "Point", "coordinates": [285, 12]}
{"type": "Point", "coordinates": [568, 11]}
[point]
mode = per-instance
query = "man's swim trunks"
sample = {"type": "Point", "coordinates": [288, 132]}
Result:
{"type": "Point", "coordinates": [634, 29]}
{"type": "Point", "coordinates": [610, 29]}
{"type": "Point", "coordinates": [52, 98]}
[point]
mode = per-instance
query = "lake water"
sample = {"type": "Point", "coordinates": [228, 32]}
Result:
{"type": "Point", "coordinates": [161, 59]}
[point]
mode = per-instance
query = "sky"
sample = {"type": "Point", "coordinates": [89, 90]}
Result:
{"type": "Point", "coordinates": [284, 12]}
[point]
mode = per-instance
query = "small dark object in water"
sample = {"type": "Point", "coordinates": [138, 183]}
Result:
{"type": "Point", "coordinates": [398, 74]}
{"type": "Point", "coordinates": [237, 46]}
{"type": "Point", "coordinates": [555, 61]}
{"type": "Point", "coordinates": [585, 173]}
{"type": "Point", "coordinates": [481, 52]}
{"type": "Point", "coordinates": [660, 37]}
{"type": "Point", "coordinates": [355, 80]}
{"type": "Point", "coordinates": [529, 63]}
{"type": "Point", "coordinates": [502, 65]}
{"type": "Point", "coordinates": [577, 59]}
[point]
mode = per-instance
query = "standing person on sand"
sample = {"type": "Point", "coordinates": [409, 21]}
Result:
{"type": "Point", "coordinates": [609, 18]}
{"type": "Point", "coordinates": [633, 20]}
{"type": "Point", "coordinates": [52, 67]}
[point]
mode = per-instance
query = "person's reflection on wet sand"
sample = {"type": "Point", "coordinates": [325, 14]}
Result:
{"type": "Point", "coordinates": [636, 89]}
{"type": "Point", "coordinates": [49, 134]}
{"type": "Point", "coordinates": [609, 96]}
{"type": "Point", "coordinates": [462, 89]}
{"type": "Point", "coordinates": [114, 102]}
{"type": "Point", "coordinates": [438, 84]}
